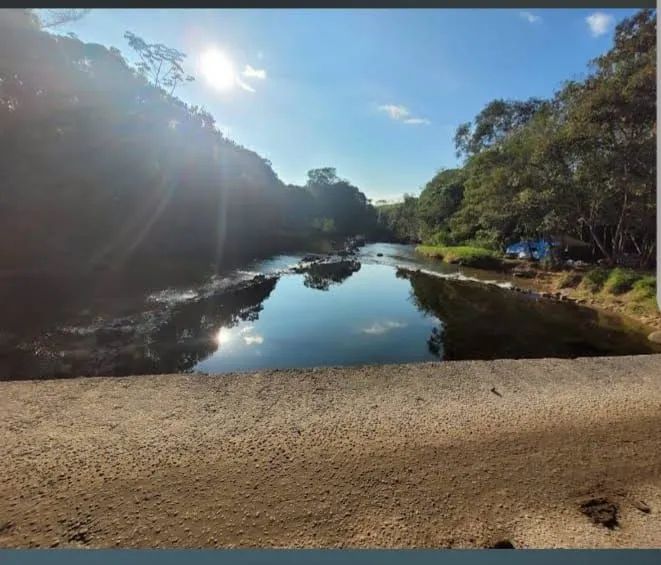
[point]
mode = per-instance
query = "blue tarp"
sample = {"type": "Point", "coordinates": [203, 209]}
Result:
{"type": "Point", "coordinates": [535, 249]}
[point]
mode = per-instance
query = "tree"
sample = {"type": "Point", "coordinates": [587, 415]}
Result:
{"type": "Point", "coordinates": [494, 123]}
{"type": "Point", "coordinates": [608, 138]}
{"type": "Point", "coordinates": [161, 65]}
{"type": "Point", "coordinates": [440, 199]}
{"type": "Point", "coordinates": [340, 201]}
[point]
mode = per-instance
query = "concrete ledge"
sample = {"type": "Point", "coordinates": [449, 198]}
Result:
{"type": "Point", "coordinates": [454, 454]}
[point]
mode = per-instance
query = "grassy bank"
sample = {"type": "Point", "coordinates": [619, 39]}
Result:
{"type": "Point", "coordinates": [634, 290]}
{"type": "Point", "coordinates": [625, 291]}
{"type": "Point", "coordinates": [466, 255]}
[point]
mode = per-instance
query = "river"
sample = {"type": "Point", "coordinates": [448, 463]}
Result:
{"type": "Point", "coordinates": [372, 314]}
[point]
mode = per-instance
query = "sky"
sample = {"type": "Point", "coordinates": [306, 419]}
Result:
{"type": "Point", "coordinates": [377, 94]}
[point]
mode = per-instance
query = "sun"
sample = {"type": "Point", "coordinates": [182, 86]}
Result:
{"type": "Point", "coordinates": [217, 69]}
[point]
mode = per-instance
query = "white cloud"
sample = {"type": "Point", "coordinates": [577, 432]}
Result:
{"type": "Point", "coordinates": [250, 72]}
{"type": "Point", "coordinates": [530, 17]}
{"type": "Point", "coordinates": [600, 23]}
{"type": "Point", "coordinates": [394, 111]}
{"type": "Point", "coordinates": [402, 114]}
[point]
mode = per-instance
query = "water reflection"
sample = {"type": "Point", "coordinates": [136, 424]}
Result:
{"type": "Point", "coordinates": [321, 276]}
{"type": "Point", "coordinates": [488, 322]}
{"type": "Point", "coordinates": [365, 315]}
{"type": "Point", "coordinates": [168, 339]}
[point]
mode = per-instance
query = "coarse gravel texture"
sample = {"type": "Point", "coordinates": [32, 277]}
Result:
{"type": "Point", "coordinates": [536, 453]}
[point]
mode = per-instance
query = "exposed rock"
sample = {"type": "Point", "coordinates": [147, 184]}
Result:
{"type": "Point", "coordinates": [523, 272]}
{"type": "Point", "coordinates": [655, 337]}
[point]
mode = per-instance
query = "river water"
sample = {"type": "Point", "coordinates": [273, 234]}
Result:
{"type": "Point", "coordinates": [372, 314]}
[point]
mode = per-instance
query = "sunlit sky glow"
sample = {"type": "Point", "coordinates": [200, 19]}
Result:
{"type": "Point", "coordinates": [376, 94]}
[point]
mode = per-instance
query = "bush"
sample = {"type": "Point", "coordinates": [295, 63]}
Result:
{"type": "Point", "coordinates": [594, 280]}
{"type": "Point", "coordinates": [468, 256]}
{"type": "Point", "coordinates": [440, 238]}
{"type": "Point", "coordinates": [621, 280]}
{"type": "Point", "coordinates": [645, 288]}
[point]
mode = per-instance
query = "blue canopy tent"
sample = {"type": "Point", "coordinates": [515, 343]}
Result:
{"type": "Point", "coordinates": [531, 249]}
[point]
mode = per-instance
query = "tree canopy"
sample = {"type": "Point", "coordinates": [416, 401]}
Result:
{"type": "Point", "coordinates": [582, 163]}
{"type": "Point", "coordinates": [102, 164]}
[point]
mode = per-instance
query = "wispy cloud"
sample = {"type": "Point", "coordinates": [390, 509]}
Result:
{"type": "Point", "coordinates": [423, 121]}
{"type": "Point", "coordinates": [244, 85]}
{"type": "Point", "coordinates": [600, 23]}
{"type": "Point", "coordinates": [401, 113]}
{"type": "Point", "coordinates": [250, 72]}
{"type": "Point", "coordinates": [530, 17]}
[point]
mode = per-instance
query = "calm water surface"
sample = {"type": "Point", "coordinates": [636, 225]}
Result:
{"type": "Point", "coordinates": [370, 315]}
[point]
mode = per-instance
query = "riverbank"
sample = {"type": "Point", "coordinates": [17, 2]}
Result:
{"type": "Point", "coordinates": [454, 454]}
{"type": "Point", "coordinates": [634, 303]}
{"type": "Point", "coordinates": [625, 292]}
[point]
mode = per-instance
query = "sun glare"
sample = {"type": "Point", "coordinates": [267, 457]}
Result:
{"type": "Point", "coordinates": [223, 337]}
{"type": "Point", "coordinates": [217, 69]}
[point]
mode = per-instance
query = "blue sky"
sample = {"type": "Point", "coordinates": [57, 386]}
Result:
{"type": "Point", "coordinates": [375, 93]}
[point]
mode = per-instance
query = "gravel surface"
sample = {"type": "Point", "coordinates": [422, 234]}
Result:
{"type": "Point", "coordinates": [536, 453]}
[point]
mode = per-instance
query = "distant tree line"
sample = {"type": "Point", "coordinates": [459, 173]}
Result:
{"type": "Point", "coordinates": [103, 165]}
{"type": "Point", "coordinates": [582, 163]}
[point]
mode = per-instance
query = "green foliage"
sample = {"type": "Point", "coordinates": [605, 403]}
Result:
{"type": "Point", "coordinates": [401, 220]}
{"type": "Point", "coordinates": [438, 201]}
{"type": "Point", "coordinates": [621, 280]}
{"type": "Point", "coordinates": [582, 164]}
{"type": "Point", "coordinates": [595, 279]}
{"type": "Point", "coordinates": [476, 257]}
{"type": "Point", "coordinates": [441, 237]}
{"type": "Point", "coordinates": [645, 288]}
{"type": "Point", "coordinates": [337, 200]}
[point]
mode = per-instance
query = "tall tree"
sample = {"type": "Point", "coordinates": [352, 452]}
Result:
{"type": "Point", "coordinates": [160, 64]}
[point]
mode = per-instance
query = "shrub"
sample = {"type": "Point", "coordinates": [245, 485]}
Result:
{"type": "Point", "coordinates": [645, 288]}
{"type": "Point", "coordinates": [594, 280]}
{"type": "Point", "coordinates": [621, 280]}
{"type": "Point", "coordinates": [440, 238]}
